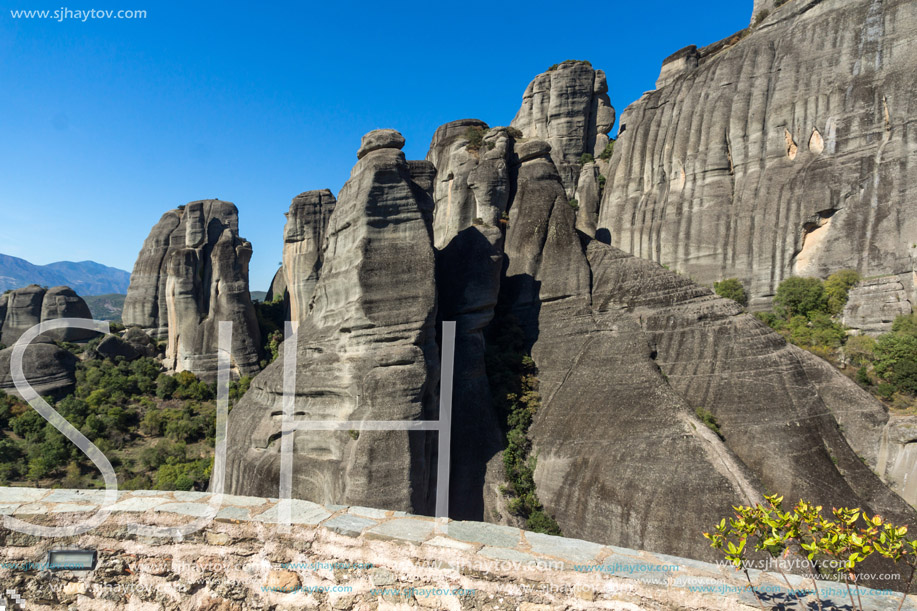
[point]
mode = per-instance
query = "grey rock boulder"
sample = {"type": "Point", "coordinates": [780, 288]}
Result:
{"type": "Point", "coordinates": [873, 304]}
{"type": "Point", "coordinates": [24, 308]}
{"type": "Point", "coordinates": [366, 350]}
{"type": "Point", "coordinates": [569, 108]}
{"type": "Point", "coordinates": [380, 139]}
{"type": "Point", "coordinates": [112, 347]}
{"type": "Point", "coordinates": [191, 274]}
{"type": "Point", "coordinates": [48, 369]}
{"type": "Point", "coordinates": [303, 238]}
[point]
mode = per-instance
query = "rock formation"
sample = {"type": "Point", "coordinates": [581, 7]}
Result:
{"type": "Point", "coordinates": [22, 309]}
{"type": "Point", "coordinates": [471, 193]}
{"type": "Point", "coordinates": [303, 237]}
{"type": "Point", "coordinates": [873, 304]}
{"type": "Point", "coordinates": [48, 369]}
{"type": "Point", "coordinates": [366, 351]}
{"type": "Point", "coordinates": [784, 150]}
{"type": "Point", "coordinates": [568, 107]}
{"type": "Point", "coordinates": [191, 274]}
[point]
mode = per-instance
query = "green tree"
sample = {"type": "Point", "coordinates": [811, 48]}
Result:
{"type": "Point", "coordinates": [731, 288]}
{"type": "Point", "coordinates": [799, 296]}
{"type": "Point", "coordinates": [837, 288]}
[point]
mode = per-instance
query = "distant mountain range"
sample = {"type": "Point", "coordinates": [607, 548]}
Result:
{"type": "Point", "coordinates": [85, 277]}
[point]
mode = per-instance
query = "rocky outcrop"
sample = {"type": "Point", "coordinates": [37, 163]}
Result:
{"type": "Point", "coordinates": [873, 304]}
{"type": "Point", "coordinates": [303, 237]}
{"type": "Point", "coordinates": [568, 107]}
{"type": "Point", "coordinates": [48, 369]}
{"type": "Point", "coordinates": [628, 353]}
{"type": "Point", "coordinates": [191, 274]}
{"type": "Point", "coordinates": [786, 150]}
{"type": "Point", "coordinates": [471, 193]}
{"type": "Point", "coordinates": [22, 309]}
{"type": "Point", "coordinates": [366, 351]}
{"type": "Point", "coordinates": [278, 287]}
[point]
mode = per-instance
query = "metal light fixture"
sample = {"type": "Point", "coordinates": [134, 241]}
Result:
{"type": "Point", "coordinates": [72, 559]}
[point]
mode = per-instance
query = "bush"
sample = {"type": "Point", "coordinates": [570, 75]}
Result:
{"type": "Point", "coordinates": [799, 296]}
{"type": "Point", "coordinates": [514, 133]}
{"type": "Point", "coordinates": [586, 158]}
{"type": "Point", "coordinates": [731, 288]}
{"type": "Point", "coordinates": [475, 136]}
{"type": "Point", "coordinates": [837, 288]}
{"type": "Point", "coordinates": [574, 204]}
{"type": "Point", "coordinates": [166, 385]}
{"type": "Point", "coordinates": [709, 420]}
{"type": "Point", "coordinates": [860, 349]}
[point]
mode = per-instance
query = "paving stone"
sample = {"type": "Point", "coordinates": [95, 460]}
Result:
{"type": "Point", "coordinates": [510, 555]}
{"type": "Point", "coordinates": [139, 503]}
{"type": "Point", "coordinates": [480, 532]}
{"type": "Point", "coordinates": [302, 512]}
{"type": "Point", "coordinates": [405, 529]}
{"type": "Point", "coordinates": [369, 512]}
{"type": "Point", "coordinates": [78, 496]}
{"type": "Point", "coordinates": [190, 495]}
{"type": "Point", "coordinates": [349, 525]}
{"type": "Point", "coordinates": [72, 507]}
{"type": "Point", "coordinates": [706, 567]}
{"type": "Point", "coordinates": [440, 541]}
{"type": "Point", "coordinates": [574, 550]}
{"type": "Point", "coordinates": [149, 492]}
{"type": "Point", "coordinates": [21, 495]}
{"type": "Point", "coordinates": [242, 501]}
{"type": "Point", "coordinates": [8, 509]}
{"type": "Point", "coordinates": [32, 509]}
{"type": "Point", "coordinates": [234, 513]}
{"type": "Point", "coordinates": [197, 510]}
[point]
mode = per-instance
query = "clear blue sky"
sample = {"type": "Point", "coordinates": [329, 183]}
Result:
{"type": "Point", "coordinates": [109, 123]}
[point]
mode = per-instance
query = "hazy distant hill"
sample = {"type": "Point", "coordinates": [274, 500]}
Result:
{"type": "Point", "coordinates": [105, 307]}
{"type": "Point", "coordinates": [84, 277]}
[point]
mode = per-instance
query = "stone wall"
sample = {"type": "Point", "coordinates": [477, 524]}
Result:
{"type": "Point", "coordinates": [339, 557]}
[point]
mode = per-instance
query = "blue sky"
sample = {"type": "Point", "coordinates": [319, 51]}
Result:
{"type": "Point", "coordinates": [108, 123]}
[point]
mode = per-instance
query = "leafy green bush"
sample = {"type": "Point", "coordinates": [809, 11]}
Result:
{"type": "Point", "coordinates": [798, 296]}
{"type": "Point", "coordinates": [860, 349]}
{"type": "Point", "coordinates": [475, 136]}
{"type": "Point", "coordinates": [586, 158]}
{"type": "Point", "coordinates": [574, 203]}
{"type": "Point", "coordinates": [709, 420]}
{"type": "Point", "coordinates": [731, 288]}
{"type": "Point", "coordinates": [514, 385]}
{"type": "Point", "coordinates": [837, 288]}
{"type": "Point", "coordinates": [896, 360]}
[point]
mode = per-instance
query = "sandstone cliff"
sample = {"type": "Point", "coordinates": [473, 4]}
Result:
{"type": "Point", "coordinates": [785, 150]}
{"type": "Point", "coordinates": [22, 309]}
{"type": "Point", "coordinates": [303, 237]}
{"type": "Point", "coordinates": [366, 351]}
{"type": "Point", "coordinates": [192, 273]}
{"type": "Point", "coordinates": [568, 107]}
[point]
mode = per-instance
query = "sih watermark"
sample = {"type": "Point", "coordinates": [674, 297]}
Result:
{"type": "Point", "coordinates": [66, 14]}
{"type": "Point", "coordinates": [443, 426]}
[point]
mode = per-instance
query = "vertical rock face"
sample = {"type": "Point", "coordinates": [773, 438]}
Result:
{"type": "Point", "coordinates": [568, 107]}
{"type": "Point", "coordinates": [278, 287]}
{"type": "Point", "coordinates": [303, 237]}
{"type": "Point", "coordinates": [22, 309]}
{"type": "Point", "coordinates": [627, 352]}
{"type": "Point", "coordinates": [366, 351]}
{"type": "Point", "coordinates": [471, 192]}
{"type": "Point", "coordinates": [873, 305]}
{"type": "Point", "coordinates": [191, 274]}
{"type": "Point", "coordinates": [787, 151]}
